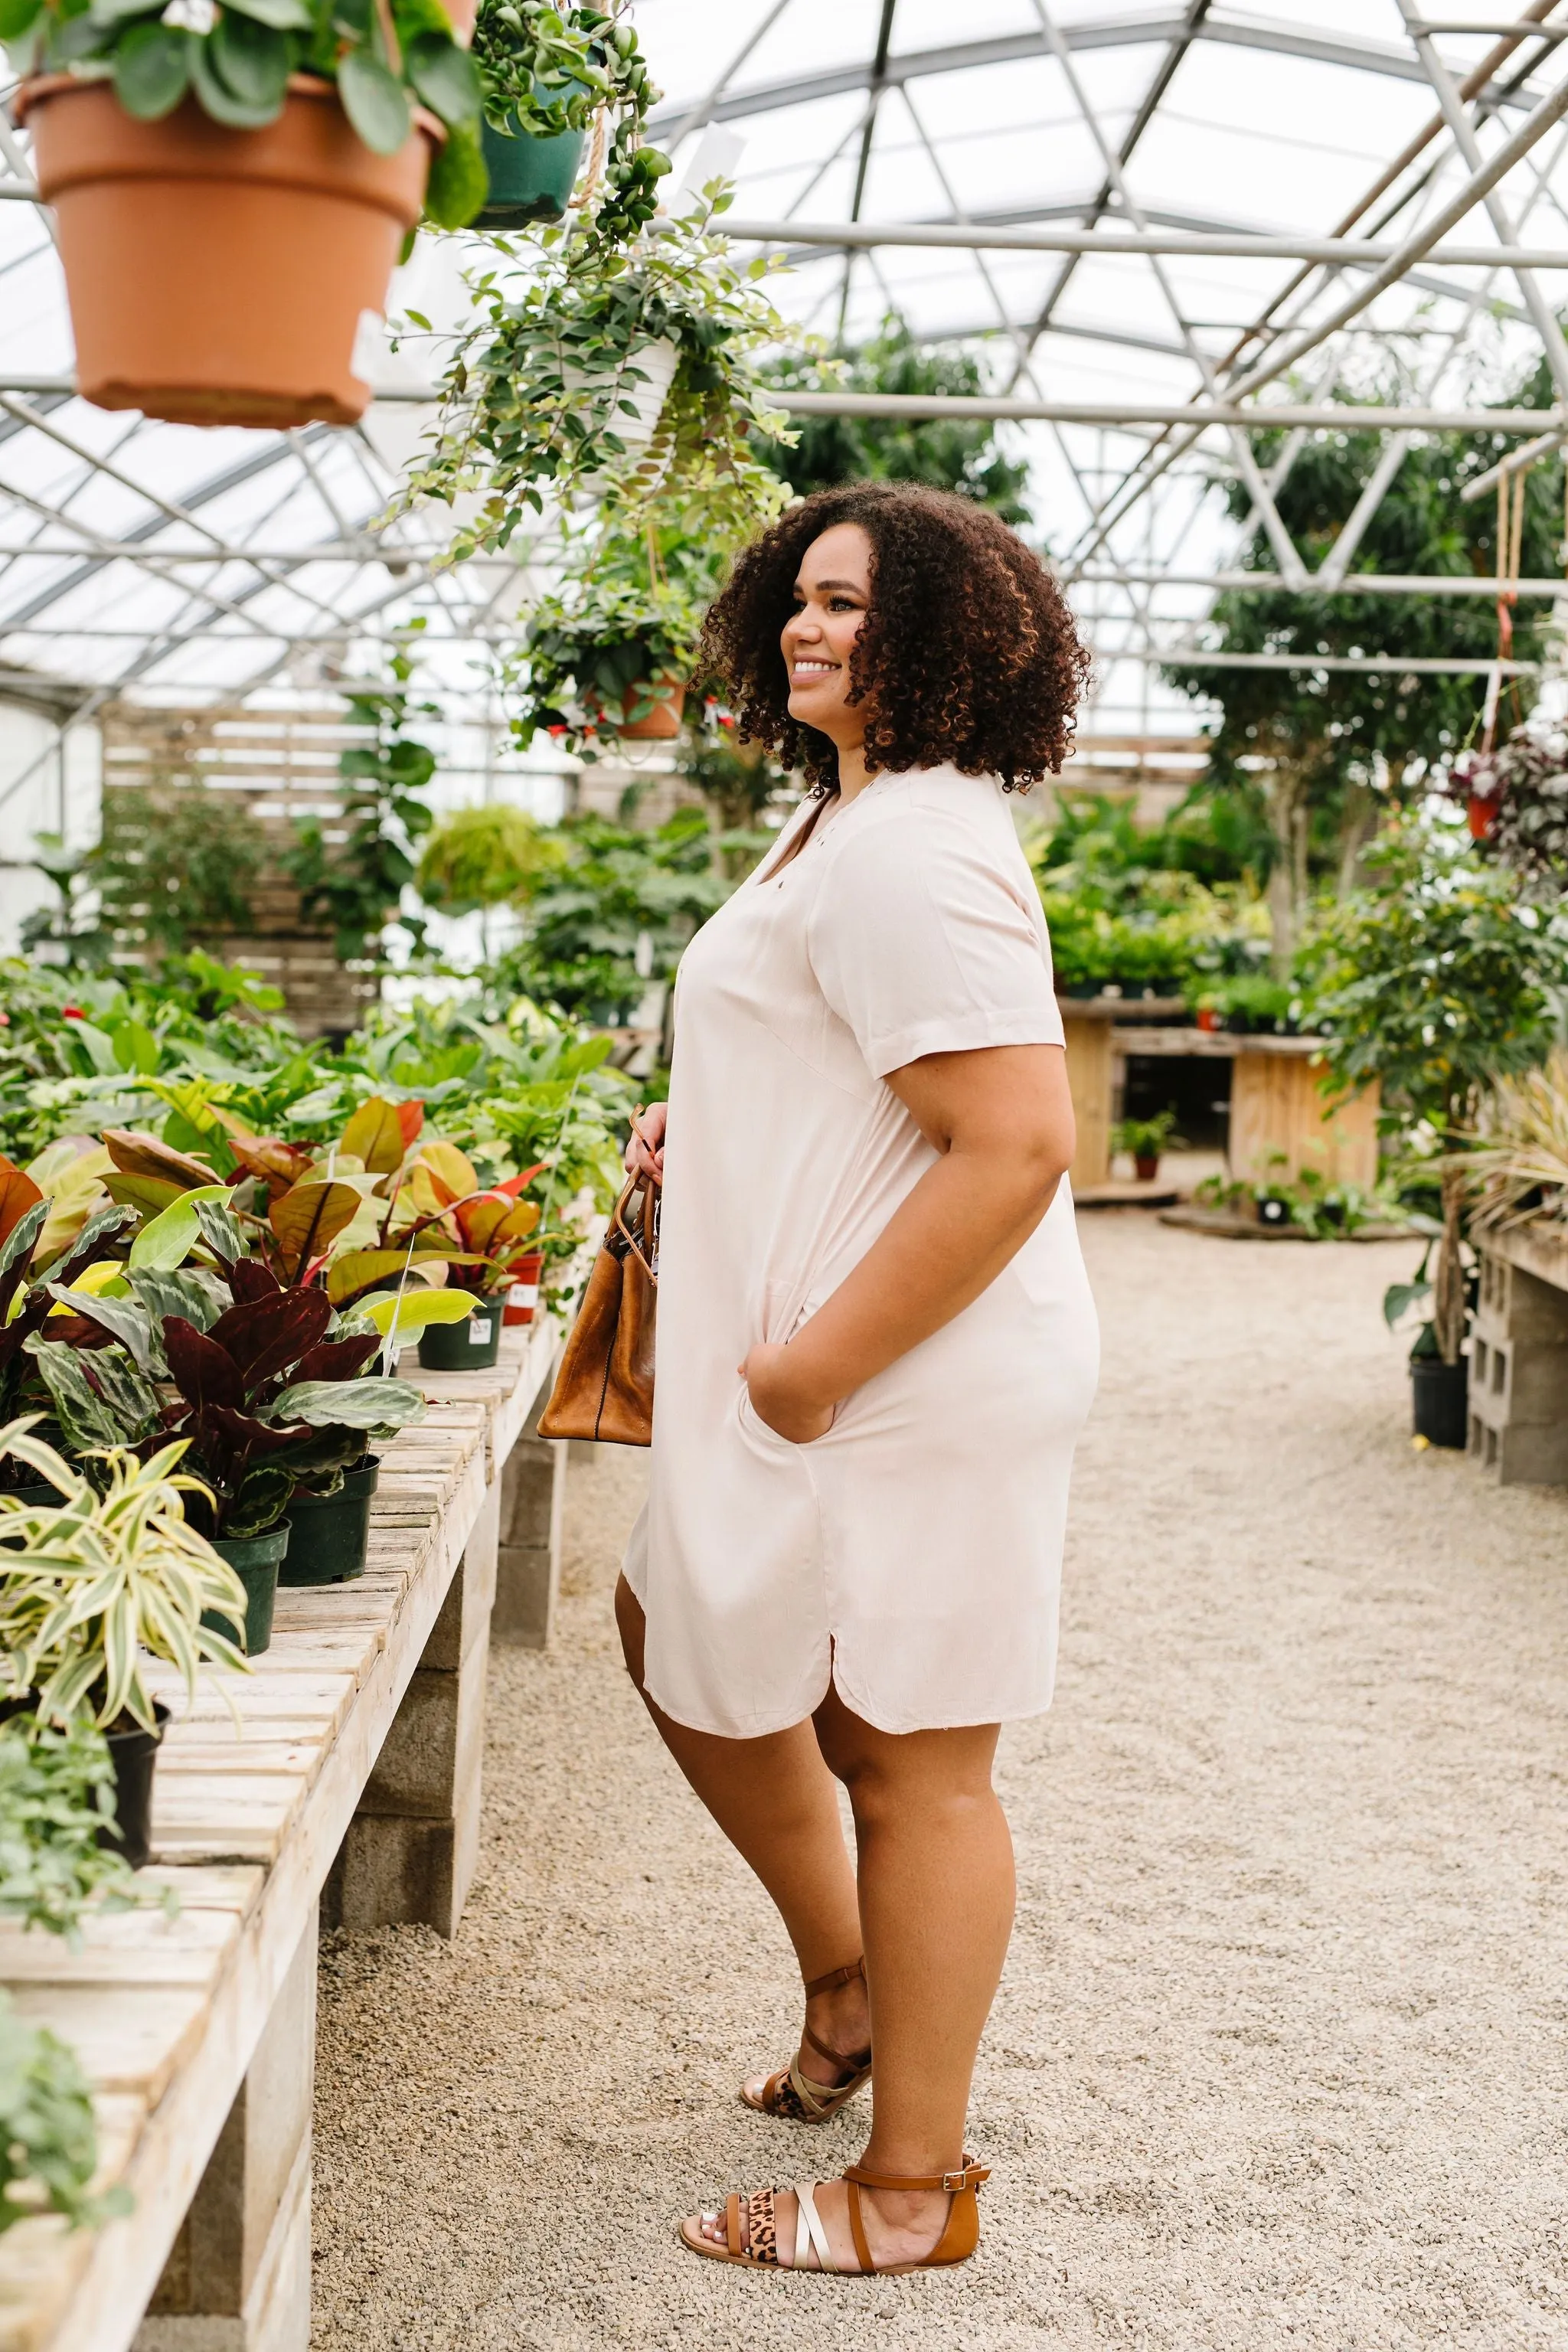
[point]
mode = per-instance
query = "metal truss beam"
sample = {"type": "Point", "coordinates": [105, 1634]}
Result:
{"type": "Point", "coordinates": [1375, 665]}
{"type": "Point", "coordinates": [1133, 32]}
{"type": "Point", "coordinates": [1341, 416]}
{"type": "Point", "coordinates": [1233, 245]}
{"type": "Point", "coordinates": [1354, 584]}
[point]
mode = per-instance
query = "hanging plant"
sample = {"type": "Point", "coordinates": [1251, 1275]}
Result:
{"type": "Point", "coordinates": [232, 187]}
{"type": "Point", "coordinates": [624, 378]}
{"type": "Point", "coordinates": [552, 75]}
{"type": "Point", "coordinates": [1516, 801]}
{"type": "Point", "coordinates": [356, 883]}
{"type": "Point", "coordinates": [610, 654]}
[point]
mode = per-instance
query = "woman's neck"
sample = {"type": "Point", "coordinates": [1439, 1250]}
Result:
{"type": "Point", "coordinates": [853, 773]}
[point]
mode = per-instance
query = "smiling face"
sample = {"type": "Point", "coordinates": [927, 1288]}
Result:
{"type": "Point", "coordinates": [833, 596]}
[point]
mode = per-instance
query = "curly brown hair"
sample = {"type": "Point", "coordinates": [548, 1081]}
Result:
{"type": "Point", "coordinates": [968, 656]}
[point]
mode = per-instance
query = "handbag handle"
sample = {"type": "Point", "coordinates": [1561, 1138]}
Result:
{"type": "Point", "coordinates": [647, 1224]}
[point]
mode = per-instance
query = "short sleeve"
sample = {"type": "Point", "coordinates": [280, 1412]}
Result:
{"type": "Point", "coordinates": [922, 943]}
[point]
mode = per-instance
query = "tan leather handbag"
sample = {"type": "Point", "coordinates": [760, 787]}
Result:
{"type": "Point", "coordinates": [604, 1389]}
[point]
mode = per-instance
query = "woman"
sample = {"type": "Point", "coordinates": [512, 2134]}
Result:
{"type": "Point", "coordinates": [875, 1341]}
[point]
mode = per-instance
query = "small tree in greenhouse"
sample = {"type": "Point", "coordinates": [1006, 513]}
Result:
{"type": "Point", "coordinates": [1437, 980]}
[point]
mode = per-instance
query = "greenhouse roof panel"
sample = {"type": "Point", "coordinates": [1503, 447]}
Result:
{"type": "Point", "coordinates": [1116, 121]}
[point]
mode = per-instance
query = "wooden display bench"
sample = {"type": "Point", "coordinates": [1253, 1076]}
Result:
{"type": "Point", "coordinates": [353, 1794]}
{"type": "Point", "coordinates": [1280, 1124]}
{"type": "Point", "coordinates": [1518, 1394]}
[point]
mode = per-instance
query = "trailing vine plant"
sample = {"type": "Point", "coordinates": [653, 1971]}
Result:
{"type": "Point", "coordinates": [357, 882]}
{"type": "Point", "coordinates": [540, 398]}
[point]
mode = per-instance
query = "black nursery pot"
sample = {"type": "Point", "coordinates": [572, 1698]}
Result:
{"type": "Point", "coordinates": [41, 1498]}
{"type": "Point", "coordinates": [469, 1347]}
{"type": "Point", "coordinates": [328, 1533]}
{"type": "Point", "coordinates": [1440, 1396]}
{"type": "Point", "coordinates": [254, 1560]}
{"type": "Point", "coordinates": [133, 1753]}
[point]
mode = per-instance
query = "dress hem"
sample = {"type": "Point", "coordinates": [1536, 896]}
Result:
{"type": "Point", "coordinates": [768, 1727]}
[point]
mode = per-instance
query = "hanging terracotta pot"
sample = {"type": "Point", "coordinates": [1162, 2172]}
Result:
{"type": "Point", "coordinates": [221, 277]}
{"type": "Point", "coordinates": [662, 722]}
{"type": "Point", "coordinates": [1483, 816]}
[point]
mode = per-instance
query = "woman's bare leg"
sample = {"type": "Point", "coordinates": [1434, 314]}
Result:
{"type": "Point", "coordinates": [776, 1801]}
{"type": "Point", "coordinates": [936, 1909]}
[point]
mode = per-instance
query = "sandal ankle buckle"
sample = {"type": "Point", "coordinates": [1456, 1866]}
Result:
{"type": "Point", "coordinates": [953, 2181]}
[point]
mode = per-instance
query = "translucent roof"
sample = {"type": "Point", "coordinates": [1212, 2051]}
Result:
{"type": "Point", "coordinates": [1159, 122]}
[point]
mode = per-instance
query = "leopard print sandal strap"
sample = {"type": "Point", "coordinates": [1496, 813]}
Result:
{"type": "Point", "coordinates": [751, 2225]}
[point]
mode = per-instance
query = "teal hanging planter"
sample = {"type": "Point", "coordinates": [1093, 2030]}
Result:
{"type": "Point", "coordinates": [254, 1560]}
{"type": "Point", "coordinates": [530, 179]}
{"type": "Point", "coordinates": [328, 1533]}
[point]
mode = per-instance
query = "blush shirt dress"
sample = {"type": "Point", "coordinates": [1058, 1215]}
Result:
{"type": "Point", "coordinates": [912, 1554]}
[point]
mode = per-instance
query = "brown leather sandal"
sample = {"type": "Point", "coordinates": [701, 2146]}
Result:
{"type": "Point", "coordinates": [793, 2096]}
{"type": "Point", "coordinates": [750, 2234]}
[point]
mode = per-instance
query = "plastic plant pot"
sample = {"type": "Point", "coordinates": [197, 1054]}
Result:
{"type": "Point", "coordinates": [328, 1533]}
{"type": "Point", "coordinates": [530, 179]}
{"type": "Point", "coordinates": [221, 277]}
{"type": "Point", "coordinates": [39, 1497]}
{"type": "Point", "coordinates": [1210, 1018]}
{"type": "Point", "coordinates": [133, 1753]}
{"type": "Point", "coordinates": [1273, 1211]}
{"type": "Point", "coordinates": [1439, 1397]}
{"type": "Point", "coordinates": [256, 1561]}
{"type": "Point", "coordinates": [1482, 816]}
{"type": "Point", "coordinates": [1146, 1166]}
{"type": "Point", "coordinates": [469, 1347]}
{"type": "Point", "coordinates": [522, 1298]}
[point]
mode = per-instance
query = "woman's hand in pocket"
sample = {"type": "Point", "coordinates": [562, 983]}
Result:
{"type": "Point", "coordinates": [644, 1150]}
{"type": "Point", "coordinates": [782, 1399]}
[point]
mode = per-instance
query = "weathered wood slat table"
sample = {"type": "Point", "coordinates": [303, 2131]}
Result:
{"type": "Point", "coordinates": [348, 1792]}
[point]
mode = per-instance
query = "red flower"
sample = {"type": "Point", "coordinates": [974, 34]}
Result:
{"type": "Point", "coordinates": [74, 1013]}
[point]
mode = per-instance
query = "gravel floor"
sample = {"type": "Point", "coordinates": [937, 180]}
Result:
{"type": "Point", "coordinates": [1278, 2059]}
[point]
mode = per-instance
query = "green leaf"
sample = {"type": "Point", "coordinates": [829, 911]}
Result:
{"type": "Point", "coordinates": [17, 16]}
{"type": "Point", "coordinates": [350, 1405]}
{"type": "Point", "coordinates": [166, 1241]}
{"type": "Point", "coordinates": [135, 1047]}
{"type": "Point", "coordinates": [459, 182]}
{"type": "Point", "coordinates": [201, 1298]}
{"type": "Point", "coordinates": [446, 78]}
{"type": "Point", "coordinates": [374, 102]}
{"type": "Point", "coordinates": [252, 60]}
{"type": "Point", "coordinates": [114, 11]}
{"type": "Point", "coordinates": [284, 16]}
{"type": "Point", "coordinates": [416, 1309]}
{"type": "Point", "coordinates": [127, 1321]}
{"type": "Point", "coordinates": [218, 100]}
{"type": "Point", "coordinates": [87, 1421]}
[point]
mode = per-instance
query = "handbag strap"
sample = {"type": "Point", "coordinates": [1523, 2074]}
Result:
{"type": "Point", "coordinates": [646, 1226]}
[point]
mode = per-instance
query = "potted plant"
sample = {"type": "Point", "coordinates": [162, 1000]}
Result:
{"type": "Point", "coordinates": [606, 661]}
{"type": "Point", "coordinates": [1438, 979]}
{"type": "Point", "coordinates": [1439, 1391]}
{"type": "Point", "coordinates": [60, 1842]}
{"type": "Point", "coordinates": [112, 1571]}
{"type": "Point", "coordinates": [542, 397]}
{"type": "Point", "coordinates": [29, 1252]}
{"type": "Point", "coordinates": [232, 186]}
{"type": "Point", "coordinates": [48, 2133]}
{"type": "Point", "coordinates": [547, 73]}
{"type": "Point", "coordinates": [1145, 1139]}
{"type": "Point", "coordinates": [1516, 801]}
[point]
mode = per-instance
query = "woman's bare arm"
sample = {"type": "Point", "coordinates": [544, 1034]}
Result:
{"type": "Point", "coordinates": [1002, 1120]}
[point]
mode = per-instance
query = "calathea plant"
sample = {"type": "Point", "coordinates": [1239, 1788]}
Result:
{"type": "Point", "coordinates": [27, 1303]}
{"type": "Point", "coordinates": [263, 1383]}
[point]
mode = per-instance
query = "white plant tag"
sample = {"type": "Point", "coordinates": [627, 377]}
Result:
{"type": "Point", "coordinates": [370, 337]}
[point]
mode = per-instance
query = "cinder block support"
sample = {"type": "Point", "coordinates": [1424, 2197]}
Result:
{"type": "Point", "coordinates": [527, 1578]}
{"type": "Point", "coordinates": [238, 2279]}
{"type": "Point", "coordinates": [1518, 1377]}
{"type": "Point", "coordinates": [412, 1846]}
